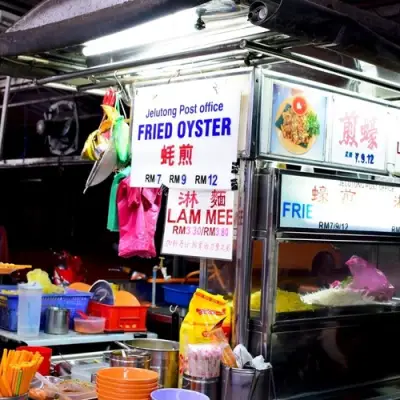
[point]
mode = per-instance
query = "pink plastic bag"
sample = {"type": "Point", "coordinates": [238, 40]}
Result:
{"type": "Point", "coordinates": [138, 210]}
{"type": "Point", "coordinates": [368, 278]}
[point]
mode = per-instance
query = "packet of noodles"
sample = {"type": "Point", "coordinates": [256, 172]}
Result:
{"type": "Point", "coordinates": [206, 311]}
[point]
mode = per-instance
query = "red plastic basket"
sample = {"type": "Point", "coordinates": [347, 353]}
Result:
{"type": "Point", "coordinates": [120, 319]}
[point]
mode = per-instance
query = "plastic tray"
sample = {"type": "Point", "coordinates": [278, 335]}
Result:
{"type": "Point", "coordinates": [120, 319]}
{"type": "Point", "coordinates": [179, 295]}
{"type": "Point", "coordinates": [72, 300]}
{"type": "Point", "coordinates": [85, 372]}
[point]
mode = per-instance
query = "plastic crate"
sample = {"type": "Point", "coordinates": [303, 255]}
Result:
{"type": "Point", "coordinates": [72, 300]}
{"type": "Point", "coordinates": [120, 319]}
{"type": "Point", "coordinates": [179, 295]}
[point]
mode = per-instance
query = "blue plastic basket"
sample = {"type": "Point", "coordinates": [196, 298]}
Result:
{"type": "Point", "coordinates": [72, 300]}
{"type": "Point", "coordinates": [179, 295]}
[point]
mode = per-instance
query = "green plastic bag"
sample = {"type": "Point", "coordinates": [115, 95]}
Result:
{"type": "Point", "coordinates": [122, 139]}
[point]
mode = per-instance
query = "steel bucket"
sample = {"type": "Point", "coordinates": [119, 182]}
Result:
{"type": "Point", "coordinates": [208, 386]}
{"type": "Point", "coordinates": [164, 358]}
{"type": "Point", "coordinates": [245, 384]}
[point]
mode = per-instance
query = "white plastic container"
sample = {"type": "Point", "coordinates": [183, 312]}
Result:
{"type": "Point", "coordinates": [29, 309]}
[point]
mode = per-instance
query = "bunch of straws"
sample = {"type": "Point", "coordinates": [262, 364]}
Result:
{"type": "Point", "coordinates": [17, 369]}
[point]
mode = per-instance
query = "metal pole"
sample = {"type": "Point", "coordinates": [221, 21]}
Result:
{"type": "Point", "coordinates": [320, 65]}
{"type": "Point", "coordinates": [45, 99]}
{"type": "Point", "coordinates": [3, 120]}
{"type": "Point", "coordinates": [270, 267]}
{"type": "Point", "coordinates": [203, 274]}
{"type": "Point", "coordinates": [244, 258]}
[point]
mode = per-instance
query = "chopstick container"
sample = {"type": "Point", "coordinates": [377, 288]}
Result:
{"type": "Point", "coordinates": [246, 384]}
{"type": "Point", "coordinates": [45, 352]}
{"type": "Point", "coordinates": [57, 321]}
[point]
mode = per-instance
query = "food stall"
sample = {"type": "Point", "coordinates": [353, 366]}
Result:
{"type": "Point", "coordinates": [228, 155]}
{"type": "Point", "coordinates": [302, 227]}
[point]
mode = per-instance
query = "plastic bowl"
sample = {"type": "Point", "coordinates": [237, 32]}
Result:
{"type": "Point", "coordinates": [127, 375]}
{"type": "Point", "coordinates": [125, 393]}
{"type": "Point", "coordinates": [101, 397]}
{"type": "Point", "coordinates": [90, 325]}
{"type": "Point", "coordinates": [123, 387]}
{"type": "Point", "coordinates": [181, 394]}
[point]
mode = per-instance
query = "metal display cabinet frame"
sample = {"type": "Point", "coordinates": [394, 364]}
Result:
{"type": "Point", "coordinates": [264, 328]}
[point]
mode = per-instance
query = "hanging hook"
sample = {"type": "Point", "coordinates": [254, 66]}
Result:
{"type": "Point", "coordinates": [126, 97]}
{"type": "Point", "coordinates": [172, 309]}
{"type": "Point", "coordinates": [215, 87]}
{"type": "Point", "coordinates": [177, 75]}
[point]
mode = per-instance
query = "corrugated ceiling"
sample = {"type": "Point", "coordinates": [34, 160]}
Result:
{"type": "Point", "coordinates": [18, 7]}
{"type": "Point", "coordinates": [12, 10]}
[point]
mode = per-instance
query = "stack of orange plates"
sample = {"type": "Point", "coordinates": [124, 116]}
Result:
{"type": "Point", "coordinates": [125, 383]}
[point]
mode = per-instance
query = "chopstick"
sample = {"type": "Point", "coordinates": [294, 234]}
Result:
{"type": "Point", "coordinates": [17, 369]}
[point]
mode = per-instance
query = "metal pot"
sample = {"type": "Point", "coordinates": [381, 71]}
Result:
{"type": "Point", "coordinates": [208, 386]}
{"type": "Point", "coordinates": [134, 358]}
{"type": "Point", "coordinates": [164, 358]}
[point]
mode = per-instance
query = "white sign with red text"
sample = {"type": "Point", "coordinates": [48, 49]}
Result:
{"type": "Point", "coordinates": [185, 135]}
{"type": "Point", "coordinates": [338, 205]}
{"type": "Point", "coordinates": [360, 131]}
{"type": "Point", "coordinates": [199, 224]}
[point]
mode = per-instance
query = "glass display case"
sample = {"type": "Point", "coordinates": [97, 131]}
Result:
{"type": "Point", "coordinates": [325, 298]}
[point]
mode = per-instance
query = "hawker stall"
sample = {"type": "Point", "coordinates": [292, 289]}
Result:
{"type": "Point", "coordinates": [265, 203]}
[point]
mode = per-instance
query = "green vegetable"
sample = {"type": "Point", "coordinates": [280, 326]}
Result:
{"type": "Point", "coordinates": [346, 282]}
{"type": "Point", "coordinates": [312, 125]}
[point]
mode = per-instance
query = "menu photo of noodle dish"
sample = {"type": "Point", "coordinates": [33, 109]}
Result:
{"type": "Point", "coordinates": [299, 122]}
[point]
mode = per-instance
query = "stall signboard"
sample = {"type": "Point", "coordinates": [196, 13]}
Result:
{"type": "Point", "coordinates": [199, 224]}
{"type": "Point", "coordinates": [359, 133]}
{"type": "Point", "coordinates": [298, 122]}
{"type": "Point", "coordinates": [338, 205]}
{"type": "Point", "coordinates": [185, 135]}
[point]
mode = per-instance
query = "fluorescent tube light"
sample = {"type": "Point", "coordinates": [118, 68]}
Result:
{"type": "Point", "coordinates": [165, 28]}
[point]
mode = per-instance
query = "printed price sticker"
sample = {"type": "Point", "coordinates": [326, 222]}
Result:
{"type": "Point", "coordinates": [199, 224]}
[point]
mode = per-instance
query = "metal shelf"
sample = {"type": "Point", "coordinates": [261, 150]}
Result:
{"type": "Point", "coordinates": [71, 338]}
